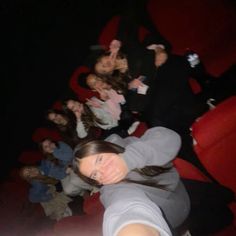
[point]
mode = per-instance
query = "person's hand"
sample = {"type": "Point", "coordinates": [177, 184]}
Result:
{"type": "Point", "coordinates": [77, 115]}
{"type": "Point", "coordinates": [94, 103]}
{"type": "Point", "coordinates": [103, 94]}
{"type": "Point", "coordinates": [114, 47]}
{"type": "Point", "coordinates": [113, 175]}
{"type": "Point", "coordinates": [122, 64]}
{"type": "Point", "coordinates": [135, 83]}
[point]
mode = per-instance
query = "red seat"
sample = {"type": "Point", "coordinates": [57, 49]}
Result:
{"type": "Point", "coordinates": [57, 105]}
{"type": "Point", "coordinates": [198, 30]}
{"type": "Point", "coordinates": [30, 157]}
{"type": "Point", "coordinates": [215, 144]}
{"type": "Point", "coordinates": [219, 26]}
{"type": "Point", "coordinates": [82, 93]}
{"type": "Point", "coordinates": [110, 31]}
{"type": "Point", "coordinates": [86, 225]}
{"type": "Point", "coordinates": [92, 204]}
{"type": "Point", "coordinates": [18, 215]}
{"type": "Point", "coordinates": [195, 86]}
{"type": "Point", "coordinates": [215, 138]}
{"type": "Point", "coordinates": [42, 133]}
{"type": "Point", "coordinates": [189, 171]}
{"type": "Point", "coordinates": [142, 127]}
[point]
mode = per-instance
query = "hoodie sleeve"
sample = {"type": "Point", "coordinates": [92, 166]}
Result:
{"type": "Point", "coordinates": [64, 152]}
{"type": "Point", "coordinates": [158, 146]}
{"type": "Point", "coordinates": [80, 129]}
{"type": "Point", "coordinates": [138, 209]}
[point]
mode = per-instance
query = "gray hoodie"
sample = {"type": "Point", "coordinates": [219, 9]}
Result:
{"type": "Point", "coordinates": [135, 203]}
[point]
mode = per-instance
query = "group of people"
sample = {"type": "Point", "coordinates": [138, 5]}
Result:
{"type": "Point", "coordinates": [140, 188]}
{"type": "Point", "coordinates": [53, 182]}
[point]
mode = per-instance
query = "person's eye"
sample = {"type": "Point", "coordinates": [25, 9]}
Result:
{"type": "Point", "coordinates": [100, 158]}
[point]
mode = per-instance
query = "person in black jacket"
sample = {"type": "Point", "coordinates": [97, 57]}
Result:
{"type": "Point", "coordinates": [172, 102]}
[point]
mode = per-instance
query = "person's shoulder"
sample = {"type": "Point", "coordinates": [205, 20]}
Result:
{"type": "Point", "coordinates": [61, 145]}
{"type": "Point", "coordinates": [116, 139]}
{"type": "Point", "coordinates": [36, 184]}
{"type": "Point", "coordinates": [158, 132]}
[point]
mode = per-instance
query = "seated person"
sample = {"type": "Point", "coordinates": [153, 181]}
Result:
{"type": "Point", "coordinates": [56, 150]}
{"type": "Point", "coordinates": [116, 104]}
{"type": "Point", "coordinates": [90, 114]}
{"type": "Point", "coordinates": [57, 162]}
{"type": "Point", "coordinates": [172, 102]}
{"type": "Point", "coordinates": [132, 74]}
{"type": "Point", "coordinates": [138, 183]}
{"type": "Point", "coordinates": [42, 190]}
{"type": "Point", "coordinates": [65, 124]}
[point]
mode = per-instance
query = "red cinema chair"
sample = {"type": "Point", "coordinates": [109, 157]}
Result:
{"type": "Point", "coordinates": [81, 92]}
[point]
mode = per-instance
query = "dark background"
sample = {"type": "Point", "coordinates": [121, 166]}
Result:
{"type": "Point", "coordinates": [42, 42]}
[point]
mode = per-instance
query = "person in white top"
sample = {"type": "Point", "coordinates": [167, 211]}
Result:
{"type": "Point", "coordinates": [90, 115]}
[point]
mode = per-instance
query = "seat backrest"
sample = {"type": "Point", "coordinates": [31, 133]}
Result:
{"type": "Point", "coordinates": [215, 124]}
{"type": "Point", "coordinates": [43, 132]}
{"type": "Point", "coordinates": [81, 93]}
{"type": "Point", "coordinates": [189, 171]}
{"type": "Point", "coordinates": [215, 142]}
{"type": "Point", "coordinates": [30, 157]}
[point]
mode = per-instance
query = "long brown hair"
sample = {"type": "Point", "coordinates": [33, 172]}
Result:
{"type": "Point", "coordinates": [67, 131]}
{"type": "Point", "coordinates": [48, 156]}
{"type": "Point", "coordinates": [117, 80]}
{"type": "Point", "coordinates": [88, 118]}
{"type": "Point", "coordinates": [99, 146]}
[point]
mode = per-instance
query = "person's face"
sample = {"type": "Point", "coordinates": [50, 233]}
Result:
{"type": "Point", "coordinates": [161, 58]}
{"type": "Point", "coordinates": [96, 84]}
{"type": "Point", "coordinates": [48, 146]}
{"type": "Point", "coordinates": [57, 118]}
{"type": "Point", "coordinates": [105, 168]}
{"type": "Point", "coordinates": [30, 172]}
{"type": "Point", "coordinates": [75, 106]}
{"type": "Point", "coordinates": [105, 66]}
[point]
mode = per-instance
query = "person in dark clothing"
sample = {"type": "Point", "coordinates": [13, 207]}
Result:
{"type": "Point", "coordinates": [168, 99]}
{"type": "Point", "coordinates": [209, 207]}
{"type": "Point", "coordinates": [172, 102]}
{"type": "Point", "coordinates": [135, 69]}
{"type": "Point", "coordinates": [132, 61]}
